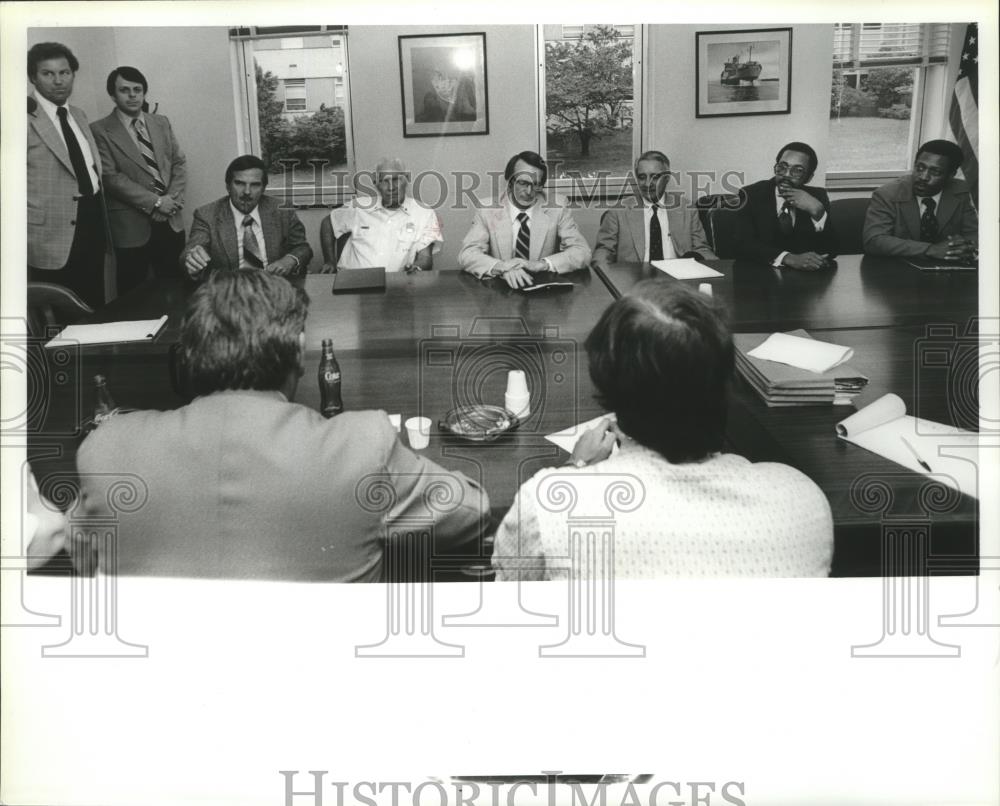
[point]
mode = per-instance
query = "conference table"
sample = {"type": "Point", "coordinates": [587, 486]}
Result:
{"type": "Point", "coordinates": [436, 340]}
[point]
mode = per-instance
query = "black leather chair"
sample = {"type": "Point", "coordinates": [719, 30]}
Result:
{"type": "Point", "coordinates": [51, 307]}
{"type": "Point", "coordinates": [718, 218]}
{"type": "Point", "coordinates": [847, 217]}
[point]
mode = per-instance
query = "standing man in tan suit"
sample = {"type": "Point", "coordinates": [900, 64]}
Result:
{"type": "Point", "coordinates": [67, 236]}
{"type": "Point", "coordinates": [145, 173]}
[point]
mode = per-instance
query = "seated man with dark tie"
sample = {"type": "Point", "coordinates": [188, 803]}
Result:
{"type": "Point", "coordinates": [929, 212]}
{"type": "Point", "coordinates": [784, 221]}
{"type": "Point", "coordinates": [245, 483]}
{"type": "Point", "coordinates": [520, 234]}
{"type": "Point", "coordinates": [246, 229]}
{"type": "Point", "coordinates": [659, 224]}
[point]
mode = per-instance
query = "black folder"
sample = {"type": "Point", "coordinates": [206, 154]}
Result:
{"type": "Point", "coordinates": [356, 281]}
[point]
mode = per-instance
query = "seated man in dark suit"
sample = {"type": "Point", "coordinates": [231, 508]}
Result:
{"type": "Point", "coordinates": [783, 221]}
{"type": "Point", "coordinates": [929, 212]}
{"type": "Point", "coordinates": [246, 229]}
{"type": "Point", "coordinates": [660, 224]}
{"type": "Point", "coordinates": [244, 483]}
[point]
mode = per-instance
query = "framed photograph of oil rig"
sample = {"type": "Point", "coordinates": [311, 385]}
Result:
{"type": "Point", "coordinates": [747, 72]}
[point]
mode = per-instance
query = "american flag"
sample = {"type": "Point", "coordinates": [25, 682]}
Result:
{"type": "Point", "coordinates": [964, 115]}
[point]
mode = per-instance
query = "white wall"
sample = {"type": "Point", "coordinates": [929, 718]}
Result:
{"type": "Point", "coordinates": [189, 75]}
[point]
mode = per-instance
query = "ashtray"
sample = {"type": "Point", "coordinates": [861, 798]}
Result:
{"type": "Point", "coordinates": [481, 423]}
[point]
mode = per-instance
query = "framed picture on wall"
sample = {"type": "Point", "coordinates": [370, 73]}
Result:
{"type": "Point", "coordinates": [747, 72]}
{"type": "Point", "coordinates": [443, 80]}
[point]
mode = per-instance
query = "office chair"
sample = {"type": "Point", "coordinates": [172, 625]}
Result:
{"type": "Point", "coordinates": [51, 307]}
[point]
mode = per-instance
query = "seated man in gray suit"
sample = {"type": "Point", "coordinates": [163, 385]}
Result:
{"type": "Point", "coordinates": [246, 229]}
{"type": "Point", "coordinates": [929, 212]}
{"type": "Point", "coordinates": [244, 483]}
{"type": "Point", "coordinates": [521, 234]}
{"type": "Point", "coordinates": [659, 224]}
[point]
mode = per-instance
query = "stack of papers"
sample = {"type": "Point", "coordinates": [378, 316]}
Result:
{"type": "Point", "coordinates": [793, 369]}
{"type": "Point", "coordinates": [685, 268]}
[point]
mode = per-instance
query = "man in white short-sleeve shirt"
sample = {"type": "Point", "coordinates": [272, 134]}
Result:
{"type": "Point", "coordinates": [391, 230]}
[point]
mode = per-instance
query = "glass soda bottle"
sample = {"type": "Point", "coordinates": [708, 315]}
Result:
{"type": "Point", "coordinates": [330, 402]}
{"type": "Point", "coordinates": [104, 406]}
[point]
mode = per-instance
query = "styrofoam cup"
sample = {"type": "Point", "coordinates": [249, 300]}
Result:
{"type": "Point", "coordinates": [517, 384]}
{"type": "Point", "coordinates": [418, 432]}
{"type": "Point", "coordinates": [518, 405]}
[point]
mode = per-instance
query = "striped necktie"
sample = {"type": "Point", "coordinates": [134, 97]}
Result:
{"type": "Point", "coordinates": [146, 149]}
{"type": "Point", "coordinates": [522, 250]}
{"type": "Point", "coordinates": [251, 249]}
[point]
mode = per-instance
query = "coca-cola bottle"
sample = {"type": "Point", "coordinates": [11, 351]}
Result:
{"type": "Point", "coordinates": [104, 406]}
{"type": "Point", "coordinates": [330, 402]}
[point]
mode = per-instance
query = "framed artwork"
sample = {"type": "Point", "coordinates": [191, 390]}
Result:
{"type": "Point", "coordinates": [443, 80]}
{"type": "Point", "coordinates": [746, 72]}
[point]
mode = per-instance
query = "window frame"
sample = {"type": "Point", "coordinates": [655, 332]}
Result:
{"type": "Point", "coordinates": [614, 186]}
{"type": "Point", "coordinates": [248, 124]}
{"type": "Point", "coordinates": [929, 105]}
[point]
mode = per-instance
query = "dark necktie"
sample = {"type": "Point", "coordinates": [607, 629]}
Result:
{"type": "Point", "coordinates": [785, 223]}
{"type": "Point", "coordinates": [522, 250]}
{"type": "Point", "coordinates": [83, 183]}
{"type": "Point", "coordinates": [251, 249]}
{"type": "Point", "coordinates": [655, 236]}
{"type": "Point", "coordinates": [928, 222]}
{"type": "Point", "coordinates": [146, 149]}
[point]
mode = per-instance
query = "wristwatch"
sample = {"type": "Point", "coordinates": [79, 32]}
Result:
{"type": "Point", "coordinates": [159, 201]}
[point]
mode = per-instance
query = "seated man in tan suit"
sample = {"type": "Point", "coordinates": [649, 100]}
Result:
{"type": "Point", "coordinates": [246, 229]}
{"type": "Point", "coordinates": [244, 483]}
{"type": "Point", "coordinates": [659, 224]}
{"type": "Point", "coordinates": [520, 234]}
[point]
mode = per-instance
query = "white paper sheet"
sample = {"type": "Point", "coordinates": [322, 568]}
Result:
{"type": "Point", "coordinates": [566, 439]}
{"type": "Point", "coordinates": [685, 268]}
{"type": "Point", "coordinates": [815, 356]}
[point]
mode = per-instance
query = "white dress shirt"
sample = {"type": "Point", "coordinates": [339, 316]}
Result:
{"type": "Point", "coordinates": [661, 215]}
{"type": "Point", "coordinates": [49, 109]}
{"type": "Point", "coordinates": [381, 237]}
{"type": "Point", "coordinates": [257, 231]}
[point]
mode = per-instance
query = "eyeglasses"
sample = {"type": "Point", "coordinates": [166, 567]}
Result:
{"type": "Point", "coordinates": [526, 184]}
{"type": "Point", "coordinates": [796, 171]}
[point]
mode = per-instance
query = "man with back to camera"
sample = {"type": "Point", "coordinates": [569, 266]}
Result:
{"type": "Point", "coordinates": [519, 235]}
{"type": "Point", "coordinates": [246, 229]}
{"type": "Point", "coordinates": [67, 228]}
{"type": "Point", "coordinates": [783, 221]}
{"type": "Point", "coordinates": [659, 224]}
{"type": "Point", "coordinates": [926, 213]}
{"type": "Point", "coordinates": [244, 483]}
{"type": "Point", "coordinates": [392, 229]}
{"type": "Point", "coordinates": [145, 173]}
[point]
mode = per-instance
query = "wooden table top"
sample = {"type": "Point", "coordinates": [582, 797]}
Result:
{"type": "Point", "coordinates": [861, 292]}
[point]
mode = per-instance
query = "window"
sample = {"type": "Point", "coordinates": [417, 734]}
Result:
{"type": "Point", "coordinates": [888, 80]}
{"type": "Point", "coordinates": [588, 86]}
{"type": "Point", "coordinates": [295, 93]}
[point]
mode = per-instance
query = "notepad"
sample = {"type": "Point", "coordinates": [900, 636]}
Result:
{"type": "Point", "coordinates": [108, 332]}
{"type": "Point", "coordinates": [931, 264]}
{"type": "Point", "coordinates": [354, 281]}
{"type": "Point", "coordinates": [884, 427]}
{"type": "Point", "coordinates": [685, 268]}
{"type": "Point", "coordinates": [804, 353]}
{"type": "Point", "coordinates": [554, 285]}
{"type": "Point", "coordinates": [567, 438]}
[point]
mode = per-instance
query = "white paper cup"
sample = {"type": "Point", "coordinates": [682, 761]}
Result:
{"type": "Point", "coordinates": [418, 432]}
{"type": "Point", "coordinates": [705, 288]}
{"type": "Point", "coordinates": [396, 420]}
{"type": "Point", "coordinates": [518, 405]}
{"type": "Point", "coordinates": [517, 384]}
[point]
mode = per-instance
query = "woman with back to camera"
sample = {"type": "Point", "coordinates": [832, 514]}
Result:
{"type": "Point", "coordinates": [661, 359]}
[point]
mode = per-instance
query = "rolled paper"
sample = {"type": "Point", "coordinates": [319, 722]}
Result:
{"type": "Point", "coordinates": [884, 410]}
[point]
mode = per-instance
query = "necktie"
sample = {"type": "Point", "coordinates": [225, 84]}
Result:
{"type": "Point", "coordinates": [146, 149]}
{"type": "Point", "coordinates": [251, 249]}
{"type": "Point", "coordinates": [523, 237]}
{"type": "Point", "coordinates": [83, 183]}
{"type": "Point", "coordinates": [928, 222]}
{"type": "Point", "coordinates": [785, 223]}
{"type": "Point", "coordinates": [655, 236]}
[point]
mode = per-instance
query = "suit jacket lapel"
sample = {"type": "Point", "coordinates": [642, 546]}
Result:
{"type": "Point", "coordinates": [271, 225]}
{"type": "Point", "coordinates": [946, 207]}
{"type": "Point", "coordinates": [637, 227]}
{"type": "Point", "coordinates": [117, 132]}
{"type": "Point", "coordinates": [226, 227]}
{"type": "Point", "coordinates": [504, 231]}
{"type": "Point", "coordinates": [81, 121]}
{"type": "Point", "coordinates": [46, 130]}
{"type": "Point", "coordinates": [540, 225]}
{"type": "Point", "coordinates": [161, 146]}
{"type": "Point", "coordinates": [677, 225]}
